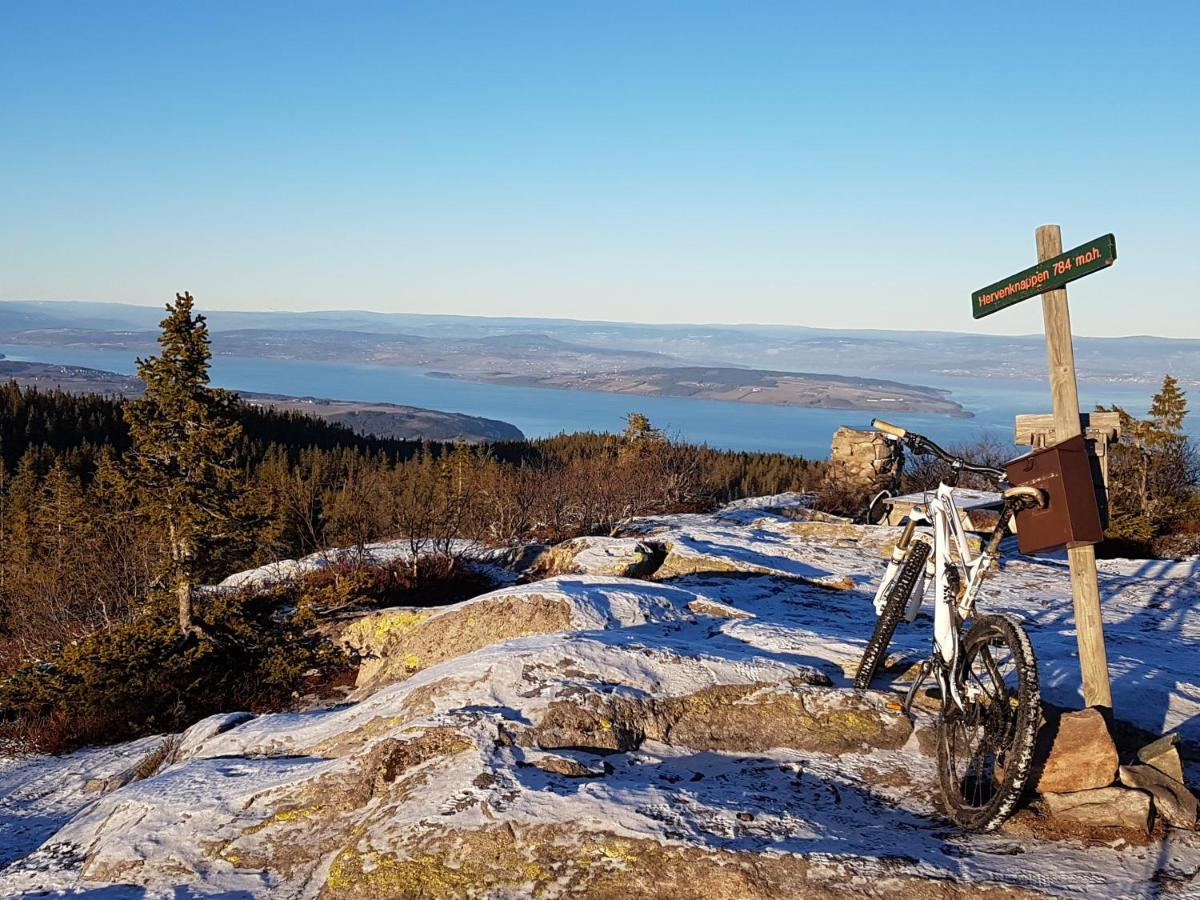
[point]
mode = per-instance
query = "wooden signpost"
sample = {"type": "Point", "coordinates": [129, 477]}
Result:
{"type": "Point", "coordinates": [1048, 278]}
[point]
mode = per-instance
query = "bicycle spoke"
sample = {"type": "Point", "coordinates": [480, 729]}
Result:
{"type": "Point", "coordinates": [983, 687]}
{"type": "Point", "coordinates": [989, 663]}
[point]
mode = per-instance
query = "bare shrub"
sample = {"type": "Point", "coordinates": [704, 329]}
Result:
{"type": "Point", "coordinates": [840, 497]}
{"type": "Point", "coordinates": [925, 473]}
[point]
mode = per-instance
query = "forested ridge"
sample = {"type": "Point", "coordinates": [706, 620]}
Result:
{"type": "Point", "coordinates": [305, 484]}
{"type": "Point", "coordinates": [115, 514]}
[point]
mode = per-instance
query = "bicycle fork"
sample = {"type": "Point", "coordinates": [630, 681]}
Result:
{"type": "Point", "coordinates": [949, 610]}
{"type": "Point", "coordinates": [899, 552]}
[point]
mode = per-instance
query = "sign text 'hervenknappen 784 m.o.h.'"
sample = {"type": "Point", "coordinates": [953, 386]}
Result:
{"type": "Point", "coordinates": [1045, 276]}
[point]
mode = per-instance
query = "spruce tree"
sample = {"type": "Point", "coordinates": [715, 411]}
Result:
{"type": "Point", "coordinates": [640, 438]}
{"type": "Point", "coordinates": [184, 435]}
{"type": "Point", "coordinates": [1169, 407]}
{"type": "Point", "coordinates": [1153, 471]}
{"type": "Point", "coordinates": [61, 514]}
{"type": "Point", "coordinates": [20, 504]}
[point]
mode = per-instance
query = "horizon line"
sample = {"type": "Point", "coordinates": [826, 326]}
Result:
{"type": "Point", "coordinates": [376, 312]}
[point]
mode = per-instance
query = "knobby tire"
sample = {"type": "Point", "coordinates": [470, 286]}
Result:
{"type": "Point", "coordinates": [893, 609]}
{"type": "Point", "coordinates": [1015, 740]}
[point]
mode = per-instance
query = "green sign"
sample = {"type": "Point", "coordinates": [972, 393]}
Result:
{"type": "Point", "coordinates": [1045, 276]}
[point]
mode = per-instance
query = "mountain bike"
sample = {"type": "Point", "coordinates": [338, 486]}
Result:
{"type": "Point", "coordinates": [986, 674]}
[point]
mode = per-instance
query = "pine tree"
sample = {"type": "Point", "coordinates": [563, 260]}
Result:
{"type": "Point", "coordinates": [61, 514]}
{"type": "Point", "coordinates": [20, 503]}
{"type": "Point", "coordinates": [184, 435]}
{"type": "Point", "coordinates": [1169, 407]}
{"type": "Point", "coordinates": [640, 438]}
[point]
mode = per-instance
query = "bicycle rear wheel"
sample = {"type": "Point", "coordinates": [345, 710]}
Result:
{"type": "Point", "coordinates": [893, 608]}
{"type": "Point", "coordinates": [985, 751]}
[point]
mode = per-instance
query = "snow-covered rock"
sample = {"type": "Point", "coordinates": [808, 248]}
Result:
{"type": "Point", "coordinates": [395, 643]}
{"type": "Point", "coordinates": [502, 563]}
{"type": "Point", "coordinates": [624, 557]}
{"type": "Point", "coordinates": [785, 502]}
{"type": "Point", "coordinates": [598, 736]}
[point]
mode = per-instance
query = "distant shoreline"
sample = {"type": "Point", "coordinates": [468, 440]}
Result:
{"type": "Point", "coordinates": [372, 419]}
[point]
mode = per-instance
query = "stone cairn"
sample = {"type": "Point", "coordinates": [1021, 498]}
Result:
{"type": "Point", "coordinates": [864, 461]}
{"type": "Point", "coordinates": [1083, 786]}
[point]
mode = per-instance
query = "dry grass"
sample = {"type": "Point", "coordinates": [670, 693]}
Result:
{"type": "Point", "coordinates": [56, 733]}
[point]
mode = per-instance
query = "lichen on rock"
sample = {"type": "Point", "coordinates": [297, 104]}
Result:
{"type": "Point", "coordinates": [729, 718]}
{"type": "Point", "coordinates": [396, 650]}
{"type": "Point", "coordinates": [554, 861]}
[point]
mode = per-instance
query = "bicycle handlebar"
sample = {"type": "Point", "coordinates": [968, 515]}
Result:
{"type": "Point", "coordinates": [920, 444]}
{"type": "Point", "coordinates": [888, 428]}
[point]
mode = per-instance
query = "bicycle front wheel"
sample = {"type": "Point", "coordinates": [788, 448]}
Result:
{"type": "Point", "coordinates": [893, 608]}
{"type": "Point", "coordinates": [985, 751]}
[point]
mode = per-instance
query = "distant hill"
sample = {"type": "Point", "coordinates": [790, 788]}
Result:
{"type": "Point", "coordinates": [802, 389]}
{"type": "Point", "coordinates": [541, 347]}
{"type": "Point", "coordinates": [383, 420]}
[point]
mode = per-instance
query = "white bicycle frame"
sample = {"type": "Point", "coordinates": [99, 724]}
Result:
{"type": "Point", "coordinates": [946, 538]}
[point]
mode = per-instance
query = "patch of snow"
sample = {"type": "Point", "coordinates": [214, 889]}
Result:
{"type": "Point", "coordinates": [490, 560]}
{"type": "Point", "coordinates": [788, 500]}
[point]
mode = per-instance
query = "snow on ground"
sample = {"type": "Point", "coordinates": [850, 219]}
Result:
{"type": "Point", "coordinates": [487, 559]}
{"type": "Point", "coordinates": [1151, 610]}
{"type": "Point", "coordinates": [870, 812]}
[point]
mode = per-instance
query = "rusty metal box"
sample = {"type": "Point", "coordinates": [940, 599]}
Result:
{"type": "Point", "coordinates": [1071, 518]}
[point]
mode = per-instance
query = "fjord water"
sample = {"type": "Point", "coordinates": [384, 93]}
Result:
{"type": "Point", "coordinates": [541, 411]}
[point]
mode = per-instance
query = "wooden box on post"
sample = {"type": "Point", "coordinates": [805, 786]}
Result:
{"type": "Point", "coordinates": [1100, 429]}
{"type": "Point", "coordinates": [1071, 517]}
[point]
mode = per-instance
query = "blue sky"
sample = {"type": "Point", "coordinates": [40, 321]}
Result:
{"type": "Point", "coordinates": [815, 164]}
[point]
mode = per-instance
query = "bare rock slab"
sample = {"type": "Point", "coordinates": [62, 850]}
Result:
{"type": "Point", "coordinates": [1172, 800]}
{"type": "Point", "coordinates": [1074, 752]}
{"type": "Point", "coordinates": [621, 557]}
{"type": "Point", "coordinates": [554, 860]}
{"type": "Point", "coordinates": [1107, 807]}
{"type": "Point", "coordinates": [879, 539]}
{"type": "Point", "coordinates": [394, 644]}
{"type": "Point", "coordinates": [745, 718]}
{"type": "Point", "coordinates": [1163, 755]}
{"type": "Point", "coordinates": [569, 768]}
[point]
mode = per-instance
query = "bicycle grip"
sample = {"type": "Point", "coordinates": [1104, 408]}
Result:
{"type": "Point", "coordinates": [888, 428]}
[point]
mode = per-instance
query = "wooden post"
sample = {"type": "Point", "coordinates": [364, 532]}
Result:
{"type": "Point", "coordinates": [1085, 590]}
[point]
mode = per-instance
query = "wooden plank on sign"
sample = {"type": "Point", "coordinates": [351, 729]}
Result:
{"type": "Point", "coordinates": [1095, 425]}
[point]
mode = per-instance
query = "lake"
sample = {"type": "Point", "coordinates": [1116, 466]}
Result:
{"type": "Point", "coordinates": [541, 411]}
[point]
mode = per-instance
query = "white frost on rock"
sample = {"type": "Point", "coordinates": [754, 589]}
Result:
{"type": "Point", "coordinates": [637, 639]}
{"type": "Point", "coordinates": [493, 560]}
{"type": "Point", "coordinates": [788, 500]}
{"type": "Point", "coordinates": [598, 601]}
